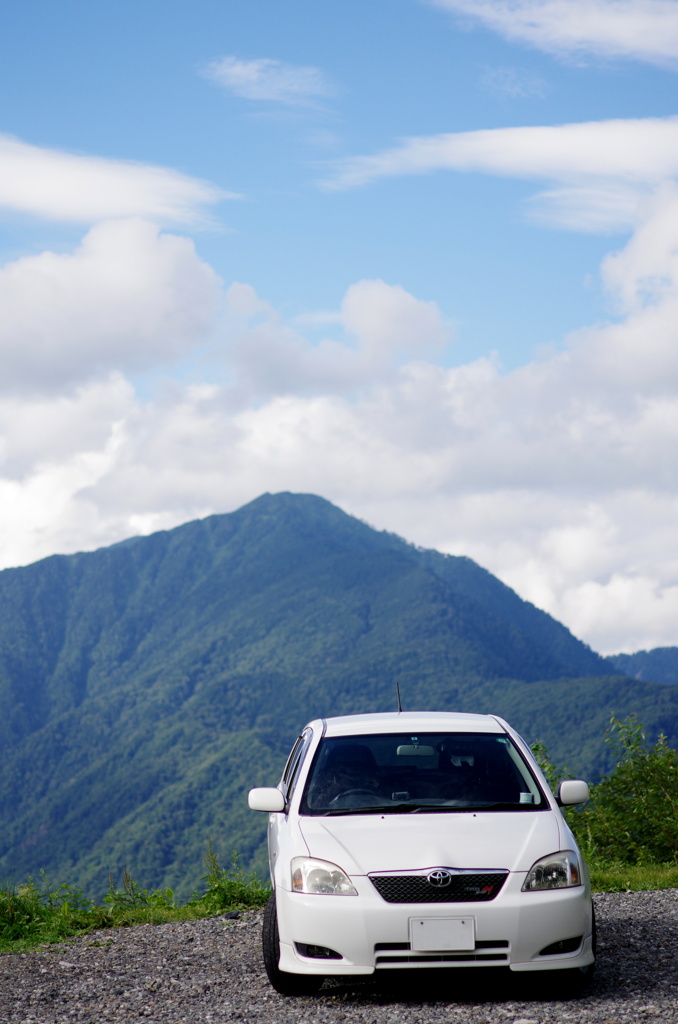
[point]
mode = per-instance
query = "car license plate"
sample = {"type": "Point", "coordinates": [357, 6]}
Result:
{"type": "Point", "coordinates": [428, 934]}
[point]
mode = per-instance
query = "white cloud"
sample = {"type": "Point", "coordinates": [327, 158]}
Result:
{"type": "Point", "coordinates": [640, 152]}
{"type": "Point", "coordinates": [51, 450]}
{"type": "Point", "coordinates": [558, 476]}
{"type": "Point", "coordinates": [648, 267]}
{"type": "Point", "coordinates": [242, 301]}
{"type": "Point", "coordinates": [85, 189]}
{"type": "Point", "coordinates": [386, 318]}
{"type": "Point", "coordinates": [605, 171]}
{"type": "Point", "coordinates": [270, 80]}
{"type": "Point", "coordinates": [382, 322]}
{"type": "Point", "coordinates": [638, 608]}
{"type": "Point", "coordinates": [644, 30]}
{"type": "Point", "coordinates": [127, 298]}
{"type": "Point", "coordinates": [599, 208]}
{"type": "Point", "coordinates": [48, 429]}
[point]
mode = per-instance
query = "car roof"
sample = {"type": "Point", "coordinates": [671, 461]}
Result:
{"type": "Point", "coordinates": [411, 721]}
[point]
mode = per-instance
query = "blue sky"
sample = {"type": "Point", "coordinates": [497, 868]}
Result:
{"type": "Point", "coordinates": [417, 257]}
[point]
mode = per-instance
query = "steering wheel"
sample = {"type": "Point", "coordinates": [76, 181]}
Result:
{"type": "Point", "coordinates": [354, 792]}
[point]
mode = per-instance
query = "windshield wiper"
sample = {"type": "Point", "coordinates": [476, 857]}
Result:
{"type": "Point", "coordinates": [410, 808]}
{"type": "Point", "coordinates": [505, 806]}
{"type": "Point", "coordinates": [375, 809]}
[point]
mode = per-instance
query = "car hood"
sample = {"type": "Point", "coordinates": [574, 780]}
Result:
{"type": "Point", "coordinates": [402, 842]}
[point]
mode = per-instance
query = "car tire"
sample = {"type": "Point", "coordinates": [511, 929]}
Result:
{"type": "Point", "coordinates": [282, 981]}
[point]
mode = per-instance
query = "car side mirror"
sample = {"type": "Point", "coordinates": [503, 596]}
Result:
{"type": "Point", "coordinates": [266, 798]}
{"type": "Point", "coordinates": [573, 791]}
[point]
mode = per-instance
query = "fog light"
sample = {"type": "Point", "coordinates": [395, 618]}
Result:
{"type": "Point", "coordinates": [564, 946]}
{"type": "Point", "coordinates": [316, 952]}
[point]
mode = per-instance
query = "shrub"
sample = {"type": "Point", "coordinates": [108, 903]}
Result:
{"type": "Point", "coordinates": [229, 888]}
{"type": "Point", "coordinates": [632, 817]}
{"type": "Point", "coordinates": [31, 914]}
{"type": "Point", "coordinates": [131, 903]}
{"type": "Point", "coordinates": [21, 912]}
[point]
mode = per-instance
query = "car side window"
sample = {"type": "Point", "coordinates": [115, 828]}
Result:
{"type": "Point", "coordinates": [295, 761]}
{"type": "Point", "coordinates": [291, 761]}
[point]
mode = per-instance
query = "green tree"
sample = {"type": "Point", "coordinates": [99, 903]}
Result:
{"type": "Point", "coordinates": [553, 775]}
{"type": "Point", "coordinates": [632, 817]}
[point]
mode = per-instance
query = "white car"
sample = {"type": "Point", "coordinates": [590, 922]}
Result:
{"type": "Point", "coordinates": [416, 841]}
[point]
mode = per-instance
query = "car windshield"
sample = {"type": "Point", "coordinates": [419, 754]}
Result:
{"type": "Point", "coordinates": [428, 772]}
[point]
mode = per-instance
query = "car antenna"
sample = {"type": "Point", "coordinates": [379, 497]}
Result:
{"type": "Point", "coordinates": [400, 707]}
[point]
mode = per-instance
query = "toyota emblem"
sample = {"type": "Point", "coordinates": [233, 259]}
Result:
{"type": "Point", "coordinates": [439, 878]}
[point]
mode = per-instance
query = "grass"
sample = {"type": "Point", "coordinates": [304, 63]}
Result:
{"type": "Point", "coordinates": [32, 914]}
{"type": "Point", "coordinates": [633, 877]}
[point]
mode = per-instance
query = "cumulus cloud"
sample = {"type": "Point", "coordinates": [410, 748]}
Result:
{"type": "Point", "coordinates": [558, 476]}
{"type": "Point", "coordinates": [270, 80]}
{"type": "Point", "coordinates": [127, 298]}
{"type": "Point", "coordinates": [85, 189]}
{"type": "Point", "coordinates": [381, 324]}
{"type": "Point", "coordinates": [645, 30]}
{"type": "Point", "coordinates": [559, 483]}
{"type": "Point", "coordinates": [51, 449]}
{"type": "Point", "coordinates": [386, 318]}
{"type": "Point", "coordinates": [43, 429]}
{"type": "Point", "coordinates": [647, 267]}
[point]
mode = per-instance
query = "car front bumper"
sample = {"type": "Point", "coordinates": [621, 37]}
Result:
{"type": "Point", "coordinates": [371, 934]}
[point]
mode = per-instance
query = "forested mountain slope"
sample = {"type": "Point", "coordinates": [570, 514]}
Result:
{"type": "Point", "coordinates": [659, 665]}
{"type": "Point", "coordinates": [146, 686]}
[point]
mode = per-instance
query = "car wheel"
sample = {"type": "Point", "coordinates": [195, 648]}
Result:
{"type": "Point", "coordinates": [283, 982]}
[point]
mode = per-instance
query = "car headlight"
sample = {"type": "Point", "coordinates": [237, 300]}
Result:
{"type": "Point", "coordinates": [557, 871]}
{"type": "Point", "coordinates": [319, 876]}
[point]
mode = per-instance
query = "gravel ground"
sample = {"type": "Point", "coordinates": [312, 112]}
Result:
{"type": "Point", "coordinates": [210, 972]}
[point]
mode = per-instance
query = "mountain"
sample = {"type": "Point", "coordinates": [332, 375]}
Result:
{"type": "Point", "coordinates": [145, 687]}
{"type": "Point", "coordinates": [659, 665]}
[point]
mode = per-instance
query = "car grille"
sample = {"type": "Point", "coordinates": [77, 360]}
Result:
{"type": "Point", "coordinates": [464, 887]}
